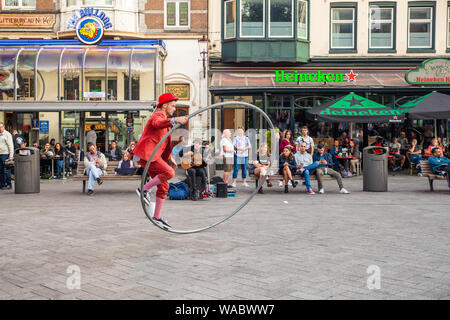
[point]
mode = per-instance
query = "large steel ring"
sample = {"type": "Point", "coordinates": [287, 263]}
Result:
{"type": "Point", "coordinates": [225, 105]}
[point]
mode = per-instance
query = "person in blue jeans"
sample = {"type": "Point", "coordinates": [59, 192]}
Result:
{"type": "Point", "coordinates": [241, 144]}
{"type": "Point", "coordinates": [6, 153]}
{"type": "Point", "coordinates": [95, 164]}
{"type": "Point", "coordinates": [305, 166]}
{"type": "Point", "coordinates": [334, 151]}
{"type": "Point", "coordinates": [415, 155]}
{"type": "Point", "coordinates": [440, 164]}
{"type": "Point", "coordinates": [59, 158]}
{"type": "Point", "coordinates": [287, 167]}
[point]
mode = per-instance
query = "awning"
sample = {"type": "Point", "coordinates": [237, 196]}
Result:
{"type": "Point", "coordinates": [40, 106]}
{"type": "Point", "coordinates": [252, 80]}
{"type": "Point", "coordinates": [434, 105]}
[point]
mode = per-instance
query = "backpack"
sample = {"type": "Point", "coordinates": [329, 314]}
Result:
{"type": "Point", "coordinates": [178, 191]}
{"type": "Point", "coordinates": [216, 179]}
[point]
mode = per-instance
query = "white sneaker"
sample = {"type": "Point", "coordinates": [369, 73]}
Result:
{"type": "Point", "coordinates": [321, 191]}
{"type": "Point", "coordinates": [246, 185]}
{"type": "Point", "coordinates": [146, 196]}
{"type": "Point", "coordinates": [289, 183]}
{"type": "Point", "coordinates": [280, 183]}
{"type": "Point", "coordinates": [233, 184]}
{"type": "Point", "coordinates": [419, 174]}
{"type": "Point", "coordinates": [344, 191]}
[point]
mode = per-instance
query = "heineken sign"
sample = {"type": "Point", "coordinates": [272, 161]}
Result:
{"type": "Point", "coordinates": [433, 71]}
{"type": "Point", "coordinates": [317, 76]}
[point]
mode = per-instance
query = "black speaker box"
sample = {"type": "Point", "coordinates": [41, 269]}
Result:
{"type": "Point", "coordinates": [221, 190]}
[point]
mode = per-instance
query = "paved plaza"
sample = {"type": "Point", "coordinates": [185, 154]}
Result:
{"type": "Point", "coordinates": [391, 245]}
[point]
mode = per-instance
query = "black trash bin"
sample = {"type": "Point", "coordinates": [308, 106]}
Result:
{"type": "Point", "coordinates": [26, 171]}
{"type": "Point", "coordinates": [375, 173]}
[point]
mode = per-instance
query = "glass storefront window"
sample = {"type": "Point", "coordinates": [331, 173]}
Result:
{"type": "Point", "coordinates": [142, 75]}
{"type": "Point", "coordinates": [94, 75]}
{"type": "Point", "coordinates": [118, 67]}
{"type": "Point", "coordinates": [71, 65]}
{"type": "Point", "coordinates": [25, 75]}
{"type": "Point", "coordinates": [230, 19]}
{"type": "Point", "coordinates": [47, 69]}
{"type": "Point", "coordinates": [302, 22]}
{"type": "Point", "coordinates": [7, 58]}
{"type": "Point", "coordinates": [252, 18]}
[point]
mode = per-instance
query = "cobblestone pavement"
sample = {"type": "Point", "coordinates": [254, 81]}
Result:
{"type": "Point", "coordinates": [280, 246]}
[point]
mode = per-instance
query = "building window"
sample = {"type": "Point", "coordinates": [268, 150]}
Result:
{"type": "Point", "coordinates": [177, 14]}
{"type": "Point", "coordinates": [420, 27]}
{"type": "Point", "coordinates": [281, 15]}
{"type": "Point", "coordinates": [14, 4]}
{"type": "Point", "coordinates": [71, 3]}
{"type": "Point", "coordinates": [97, 2]}
{"type": "Point", "coordinates": [381, 30]}
{"type": "Point", "coordinates": [230, 19]}
{"type": "Point", "coordinates": [302, 19]}
{"type": "Point", "coordinates": [343, 28]}
{"type": "Point", "coordinates": [252, 18]}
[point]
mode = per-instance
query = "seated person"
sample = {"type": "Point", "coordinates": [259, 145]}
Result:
{"type": "Point", "coordinates": [325, 167]}
{"type": "Point", "coordinates": [334, 151]}
{"type": "Point", "coordinates": [125, 166]}
{"type": "Point", "coordinates": [378, 143]}
{"type": "Point", "coordinates": [36, 145]}
{"type": "Point", "coordinates": [59, 157]}
{"type": "Point", "coordinates": [70, 156]}
{"type": "Point", "coordinates": [394, 149]}
{"type": "Point", "coordinates": [262, 164]}
{"type": "Point", "coordinates": [115, 154]}
{"type": "Point", "coordinates": [194, 161]}
{"type": "Point", "coordinates": [440, 164]}
{"type": "Point", "coordinates": [95, 164]}
{"type": "Point", "coordinates": [287, 167]}
{"type": "Point", "coordinates": [434, 144]}
{"type": "Point", "coordinates": [305, 166]}
{"type": "Point", "coordinates": [415, 155]}
{"type": "Point", "coordinates": [47, 156]}
{"type": "Point", "coordinates": [353, 150]}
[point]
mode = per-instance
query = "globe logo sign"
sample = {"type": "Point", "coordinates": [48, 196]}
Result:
{"type": "Point", "coordinates": [89, 30]}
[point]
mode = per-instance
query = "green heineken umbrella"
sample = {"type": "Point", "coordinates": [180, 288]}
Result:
{"type": "Point", "coordinates": [434, 105]}
{"type": "Point", "coordinates": [354, 108]}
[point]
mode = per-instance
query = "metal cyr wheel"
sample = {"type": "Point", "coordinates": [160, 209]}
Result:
{"type": "Point", "coordinates": [225, 105]}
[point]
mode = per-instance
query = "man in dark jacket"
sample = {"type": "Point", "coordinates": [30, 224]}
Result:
{"type": "Point", "coordinates": [325, 167]}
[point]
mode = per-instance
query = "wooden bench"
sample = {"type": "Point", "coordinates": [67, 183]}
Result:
{"type": "Point", "coordinates": [110, 174]}
{"type": "Point", "coordinates": [428, 172]}
{"type": "Point", "coordinates": [295, 177]}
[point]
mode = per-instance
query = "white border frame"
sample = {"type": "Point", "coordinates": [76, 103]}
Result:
{"type": "Point", "coordinates": [225, 19]}
{"type": "Point", "coordinates": [292, 20]}
{"type": "Point", "coordinates": [448, 26]}
{"type": "Point", "coordinates": [18, 7]}
{"type": "Point", "coordinates": [177, 15]}
{"type": "Point", "coordinates": [430, 21]}
{"type": "Point", "coordinates": [264, 21]}
{"type": "Point", "coordinates": [343, 21]}
{"type": "Point", "coordinates": [307, 19]}
{"type": "Point", "coordinates": [381, 21]}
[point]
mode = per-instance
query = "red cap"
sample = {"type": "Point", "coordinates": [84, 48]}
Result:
{"type": "Point", "coordinates": [164, 98]}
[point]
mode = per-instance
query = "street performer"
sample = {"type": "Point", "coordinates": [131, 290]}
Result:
{"type": "Point", "coordinates": [162, 167]}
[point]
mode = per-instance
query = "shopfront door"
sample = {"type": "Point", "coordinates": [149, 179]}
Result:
{"type": "Point", "coordinates": [97, 121]}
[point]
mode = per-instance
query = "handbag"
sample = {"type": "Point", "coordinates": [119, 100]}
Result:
{"type": "Point", "coordinates": [251, 168]}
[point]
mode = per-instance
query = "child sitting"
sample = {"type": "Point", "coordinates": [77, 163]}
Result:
{"type": "Point", "coordinates": [125, 166]}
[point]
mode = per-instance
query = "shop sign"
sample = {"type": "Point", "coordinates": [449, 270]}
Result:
{"type": "Point", "coordinates": [27, 21]}
{"type": "Point", "coordinates": [433, 71]}
{"type": "Point", "coordinates": [35, 124]}
{"type": "Point", "coordinates": [94, 94]}
{"type": "Point", "coordinates": [99, 126]}
{"type": "Point", "coordinates": [180, 91]}
{"type": "Point", "coordinates": [318, 76]}
{"type": "Point", "coordinates": [43, 126]}
{"type": "Point", "coordinates": [130, 124]}
{"type": "Point", "coordinates": [89, 25]}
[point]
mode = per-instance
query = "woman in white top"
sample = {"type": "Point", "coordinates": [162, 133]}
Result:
{"type": "Point", "coordinates": [227, 152]}
{"type": "Point", "coordinates": [241, 144]}
{"type": "Point", "coordinates": [306, 139]}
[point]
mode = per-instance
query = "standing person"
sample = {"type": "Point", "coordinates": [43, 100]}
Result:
{"type": "Point", "coordinates": [241, 144]}
{"type": "Point", "coordinates": [325, 167]}
{"type": "Point", "coordinates": [59, 157]}
{"type": "Point", "coordinates": [262, 165]}
{"type": "Point", "coordinates": [305, 166]}
{"type": "Point", "coordinates": [162, 167]}
{"type": "Point", "coordinates": [95, 164]}
{"type": "Point", "coordinates": [91, 136]}
{"type": "Point", "coordinates": [415, 155]}
{"type": "Point", "coordinates": [227, 152]}
{"type": "Point", "coordinates": [287, 168]}
{"type": "Point", "coordinates": [304, 137]}
{"type": "Point", "coordinates": [115, 154]}
{"type": "Point", "coordinates": [18, 139]}
{"type": "Point", "coordinates": [6, 154]}
{"type": "Point", "coordinates": [287, 141]}
{"type": "Point", "coordinates": [70, 155]}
